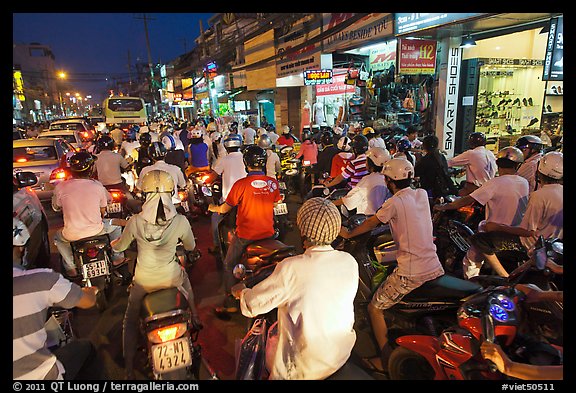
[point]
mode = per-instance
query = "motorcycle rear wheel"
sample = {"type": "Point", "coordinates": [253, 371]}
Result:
{"type": "Point", "coordinates": [405, 364]}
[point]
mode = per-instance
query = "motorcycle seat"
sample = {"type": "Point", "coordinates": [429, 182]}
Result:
{"type": "Point", "coordinates": [90, 241]}
{"type": "Point", "coordinates": [443, 288]}
{"type": "Point", "coordinates": [162, 301]}
{"type": "Point", "coordinates": [267, 248]}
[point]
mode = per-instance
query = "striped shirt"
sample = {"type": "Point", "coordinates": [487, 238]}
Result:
{"type": "Point", "coordinates": [355, 170]}
{"type": "Point", "coordinates": [34, 291]}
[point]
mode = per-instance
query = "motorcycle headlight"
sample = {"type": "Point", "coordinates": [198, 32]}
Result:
{"type": "Point", "coordinates": [167, 333]}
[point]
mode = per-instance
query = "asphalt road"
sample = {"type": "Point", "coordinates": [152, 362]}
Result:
{"type": "Point", "coordinates": [219, 339]}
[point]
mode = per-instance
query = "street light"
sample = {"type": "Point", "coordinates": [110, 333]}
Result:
{"type": "Point", "coordinates": [62, 76]}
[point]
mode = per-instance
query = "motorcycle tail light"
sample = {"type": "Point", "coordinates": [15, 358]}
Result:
{"type": "Point", "coordinates": [92, 252]}
{"type": "Point", "coordinates": [58, 174]}
{"type": "Point", "coordinates": [468, 211]}
{"type": "Point", "coordinates": [167, 333]}
{"type": "Point", "coordinates": [182, 195]}
{"type": "Point", "coordinates": [204, 178]}
{"type": "Point", "coordinates": [22, 159]}
{"type": "Point", "coordinates": [117, 195]}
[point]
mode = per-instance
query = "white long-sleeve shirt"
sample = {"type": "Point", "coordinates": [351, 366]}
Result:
{"type": "Point", "coordinates": [480, 164]}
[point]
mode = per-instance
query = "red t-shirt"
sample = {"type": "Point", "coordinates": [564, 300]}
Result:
{"type": "Point", "coordinates": [255, 196]}
{"type": "Point", "coordinates": [285, 141]}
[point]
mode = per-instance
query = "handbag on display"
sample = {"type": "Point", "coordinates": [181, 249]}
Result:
{"type": "Point", "coordinates": [408, 102]}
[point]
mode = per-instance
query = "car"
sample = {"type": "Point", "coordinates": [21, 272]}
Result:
{"type": "Point", "coordinates": [75, 137]}
{"type": "Point", "coordinates": [27, 207]}
{"type": "Point", "coordinates": [40, 156]}
{"type": "Point", "coordinates": [18, 133]}
{"type": "Point", "coordinates": [81, 125]}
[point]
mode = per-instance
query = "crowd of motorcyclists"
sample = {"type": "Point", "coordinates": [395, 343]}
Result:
{"type": "Point", "coordinates": [391, 177]}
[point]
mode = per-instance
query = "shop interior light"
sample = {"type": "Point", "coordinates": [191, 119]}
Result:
{"type": "Point", "coordinates": [468, 41]}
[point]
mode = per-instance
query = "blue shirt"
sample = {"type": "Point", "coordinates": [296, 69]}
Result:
{"type": "Point", "coordinates": [199, 154]}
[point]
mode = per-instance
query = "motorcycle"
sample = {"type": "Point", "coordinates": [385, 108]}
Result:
{"type": "Point", "coordinates": [202, 194]}
{"type": "Point", "coordinates": [117, 207]}
{"type": "Point", "coordinates": [171, 336]}
{"type": "Point", "coordinates": [496, 314]}
{"type": "Point", "coordinates": [291, 167]}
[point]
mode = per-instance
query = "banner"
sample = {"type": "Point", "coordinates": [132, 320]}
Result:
{"type": "Point", "coordinates": [337, 86]}
{"type": "Point", "coordinates": [307, 58]}
{"type": "Point", "coordinates": [383, 57]}
{"type": "Point", "coordinates": [416, 56]}
{"type": "Point", "coordinates": [373, 27]}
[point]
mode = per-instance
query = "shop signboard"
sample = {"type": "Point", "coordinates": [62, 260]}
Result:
{"type": "Point", "coordinates": [382, 57]}
{"type": "Point", "coordinates": [373, 27]}
{"type": "Point", "coordinates": [186, 87]}
{"type": "Point", "coordinates": [307, 58]}
{"type": "Point", "coordinates": [317, 77]}
{"type": "Point", "coordinates": [451, 103]}
{"type": "Point", "coordinates": [338, 86]}
{"type": "Point", "coordinates": [410, 22]}
{"type": "Point", "coordinates": [416, 56]}
{"type": "Point", "coordinates": [554, 60]}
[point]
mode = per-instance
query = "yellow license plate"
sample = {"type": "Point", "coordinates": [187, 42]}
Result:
{"type": "Point", "coordinates": [171, 355]}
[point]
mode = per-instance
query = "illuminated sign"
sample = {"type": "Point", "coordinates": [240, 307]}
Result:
{"type": "Point", "coordinates": [317, 77]}
{"type": "Point", "coordinates": [554, 60]}
{"type": "Point", "coordinates": [410, 22]}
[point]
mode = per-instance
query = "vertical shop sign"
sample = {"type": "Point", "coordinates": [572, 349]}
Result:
{"type": "Point", "coordinates": [416, 57]}
{"type": "Point", "coordinates": [554, 59]}
{"type": "Point", "coordinates": [451, 105]}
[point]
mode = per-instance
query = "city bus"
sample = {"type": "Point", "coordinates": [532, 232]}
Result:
{"type": "Point", "coordinates": [124, 111]}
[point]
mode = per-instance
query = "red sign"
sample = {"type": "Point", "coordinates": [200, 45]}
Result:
{"type": "Point", "coordinates": [336, 87]}
{"type": "Point", "coordinates": [417, 56]}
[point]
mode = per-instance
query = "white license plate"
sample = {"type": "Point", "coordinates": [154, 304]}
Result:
{"type": "Point", "coordinates": [282, 185]}
{"type": "Point", "coordinates": [280, 209]}
{"type": "Point", "coordinates": [171, 355]}
{"type": "Point", "coordinates": [95, 269]}
{"type": "Point", "coordinates": [185, 206]}
{"type": "Point", "coordinates": [115, 207]}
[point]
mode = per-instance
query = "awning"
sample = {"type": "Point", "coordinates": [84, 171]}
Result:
{"type": "Point", "coordinates": [247, 95]}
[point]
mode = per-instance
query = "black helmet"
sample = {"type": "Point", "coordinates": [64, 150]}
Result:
{"type": "Point", "coordinates": [82, 161]}
{"type": "Point", "coordinates": [359, 144]}
{"type": "Point", "coordinates": [306, 134]}
{"type": "Point", "coordinates": [476, 139]}
{"type": "Point", "coordinates": [531, 142]}
{"type": "Point", "coordinates": [233, 126]}
{"type": "Point", "coordinates": [255, 157]}
{"type": "Point", "coordinates": [157, 151]}
{"type": "Point", "coordinates": [327, 138]}
{"type": "Point", "coordinates": [105, 142]}
{"type": "Point", "coordinates": [403, 145]}
{"type": "Point", "coordinates": [145, 139]}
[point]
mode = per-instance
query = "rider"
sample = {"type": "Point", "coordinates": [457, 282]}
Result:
{"type": "Point", "coordinates": [432, 170]}
{"type": "Point", "coordinates": [175, 154]}
{"type": "Point", "coordinates": [356, 168]}
{"type": "Point", "coordinates": [255, 197]}
{"type": "Point", "coordinates": [131, 144]}
{"type": "Point", "coordinates": [480, 163]}
{"type": "Point", "coordinates": [371, 191]}
{"type": "Point", "coordinates": [315, 336]}
{"type": "Point", "coordinates": [286, 139]}
{"type": "Point", "coordinates": [273, 165]}
{"type": "Point", "coordinates": [531, 147]}
{"type": "Point", "coordinates": [340, 160]}
{"type": "Point", "coordinates": [198, 153]}
{"type": "Point", "coordinates": [157, 231]}
{"type": "Point", "coordinates": [33, 292]}
{"type": "Point", "coordinates": [326, 155]}
{"type": "Point", "coordinates": [143, 158]}
{"type": "Point", "coordinates": [403, 148]}
{"type": "Point", "coordinates": [215, 149]}
{"type": "Point", "coordinates": [505, 197]}
{"type": "Point", "coordinates": [83, 202]}
{"type": "Point", "coordinates": [248, 133]}
{"type": "Point", "coordinates": [408, 214]}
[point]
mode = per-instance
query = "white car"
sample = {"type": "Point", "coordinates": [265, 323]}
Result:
{"type": "Point", "coordinates": [81, 125]}
{"type": "Point", "coordinates": [75, 137]}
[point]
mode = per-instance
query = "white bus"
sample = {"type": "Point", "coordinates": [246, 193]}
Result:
{"type": "Point", "coordinates": [124, 110]}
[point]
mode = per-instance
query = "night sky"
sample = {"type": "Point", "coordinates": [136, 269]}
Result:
{"type": "Point", "coordinates": [92, 46]}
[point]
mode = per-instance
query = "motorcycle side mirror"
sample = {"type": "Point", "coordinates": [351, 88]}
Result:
{"type": "Point", "coordinates": [326, 191]}
{"type": "Point", "coordinates": [343, 210]}
{"type": "Point", "coordinates": [206, 191]}
{"type": "Point", "coordinates": [239, 271]}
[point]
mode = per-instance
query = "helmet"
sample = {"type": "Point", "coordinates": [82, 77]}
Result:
{"type": "Point", "coordinates": [157, 181]}
{"type": "Point", "coordinates": [196, 133]}
{"type": "Point", "coordinates": [233, 140]}
{"type": "Point", "coordinates": [157, 151]}
{"type": "Point", "coordinates": [105, 142]}
{"type": "Point", "coordinates": [135, 128]}
{"type": "Point", "coordinates": [145, 139]}
{"type": "Point", "coordinates": [476, 139]}
{"type": "Point", "coordinates": [233, 126]}
{"type": "Point", "coordinates": [264, 141]}
{"type": "Point", "coordinates": [255, 157]}
{"type": "Point", "coordinates": [368, 130]}
{"type": "Point", "coordinates": [319, 220]}
{"type": "Point", "coordinates": [359, 144]}
{"type": "Point", "coordinates": [20, 234]}
{"type": "Point", "coordinates": [403, 145]}
{"type": "Point", "coordinates": [131, 135]}
{"type": "Point", "coordinates": [285, 130]}
{"type": "Point", "coordinates": [261, 131]}
{"type": "Point", "coordinates": [344, 143]}
{"type": "Point", "coordinates": [246, 124]}
{"type": "Point", "coordinates": [215, 136]}
{"type": "Point", "coordinates": [511, 153]}
{"type": "Point", "coordinates": [81, 161]}
{"type": "Point", "coordinates": [398, 169]}
{"type": "Point", "coordinates": [531, 142]}
{"type": "Point", "coordinates": [378, 155]}
{"type": "Point", "coordinates": [430, 142]}
{"type": "Point", "coordinates": [327, 138]}
{"type": "Point", "coordinates": [306, 134]}
{"type": "Point", "coordinates": [552, 165]}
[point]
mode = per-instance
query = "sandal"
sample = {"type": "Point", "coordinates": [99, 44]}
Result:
{"type": "Point", "coordinates": [371, 365]}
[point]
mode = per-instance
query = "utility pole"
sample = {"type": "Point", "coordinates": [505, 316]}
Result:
{"type": "Point", "coordinates": [146, 19]}
{"type": "Point", "coordinates": [129, 70]}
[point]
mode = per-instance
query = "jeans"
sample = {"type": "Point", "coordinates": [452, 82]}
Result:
{"type": "Point", "coordinates": [235, 249]}
{"type": "Point", "coordinates": [65, 249]}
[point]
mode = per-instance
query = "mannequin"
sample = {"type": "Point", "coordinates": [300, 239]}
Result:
{"type": "Point", "coordinates": [318, 111]}
{"type": "Point", "coordinates": [341, 112]}
{"type": "Point", "coordinates": [306, 115]}
{"type": "Point", "coordinates": [331, 112]}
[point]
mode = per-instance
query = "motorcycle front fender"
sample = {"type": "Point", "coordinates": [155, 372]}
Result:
{"type": "Point", "coordinates": [426, 346]}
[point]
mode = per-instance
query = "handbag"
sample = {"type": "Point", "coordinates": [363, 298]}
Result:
{"type": "Point", "coordinates": [408, 102]}
{"type": "Point", "coordinates": [251, 364]}
{"type": "Point", "coordinates": [353, 72]}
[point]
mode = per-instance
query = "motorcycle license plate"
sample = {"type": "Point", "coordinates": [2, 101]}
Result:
{"type": "Point", "coordinates": [114, 207]}
{"type": "Point", "coordinates": [280, 209]}
{"type": "Point", "coordinates": [95, 269]}
{"type": "Point", "coordinates": [282, 185]}
{"type": "Point", "coordinates": [185, 206]}
{"type": "Point", "coordinates": [171, 355]}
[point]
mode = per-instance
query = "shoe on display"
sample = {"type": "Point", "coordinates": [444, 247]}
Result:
{"type": "Point", "coordinates": [554, 90]}
{"type": "Point", "coordinates": [549, 108]}
{"type": "Point", "coordinates": [559, 89]}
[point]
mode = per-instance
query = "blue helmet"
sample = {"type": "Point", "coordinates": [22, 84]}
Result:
{"type": "Point", "coordinates": [403, 145]}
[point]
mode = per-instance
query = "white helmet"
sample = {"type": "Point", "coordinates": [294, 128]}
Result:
{"type": "Point", "coordinates": [261, 131]}
{"type": "Point", "coordinates": [215, 136]}
{"type": "Point", "coordinates": [552, 165]}
{"type": "Point", "coordinates": [378, 155]}
{"type": "Point", "coordinates": [398, 169]}
{"type": "Point", "coordinates": [157, 181]}
{"type": "Point", "coordinates": [285, 130]}
{"type": "Point", "coordinates": [196, 133]}
{"type": "Point", "coordinates": [344, 143]}
{"type": "Point", "coordinates": [20, 234]}
{"type": "Point", "coordinates": [511, 153]}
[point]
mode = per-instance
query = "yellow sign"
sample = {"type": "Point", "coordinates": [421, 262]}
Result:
{"type": "Point", "coordinates": [19, 85]}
